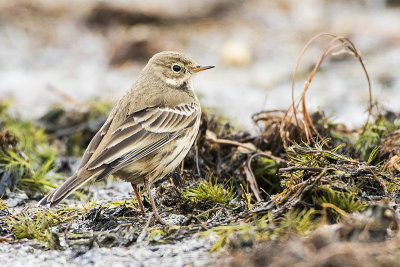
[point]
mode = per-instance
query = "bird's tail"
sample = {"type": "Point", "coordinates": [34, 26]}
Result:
{"type": "Point", "coordinates": [69, 186]}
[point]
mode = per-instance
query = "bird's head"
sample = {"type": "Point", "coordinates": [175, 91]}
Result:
{"type": "Point", "coordinates": [173, 69]}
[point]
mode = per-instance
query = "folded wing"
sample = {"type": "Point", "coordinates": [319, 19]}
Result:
{"type": "Point", "coordinates": [142, 133]}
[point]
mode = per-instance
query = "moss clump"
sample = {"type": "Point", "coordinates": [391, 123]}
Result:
{"type": "Point", "coordinates": [224, 232]}
{"type": "Point", "coordinates": [344, 200]}
{"type": "Point", "coordinates": [211, 193]}
{"type": "Point", "coordinates": [45, 225]}
{"type": "Point", "coordinates": [317, 156]}
{"type": "Point", "coordinates": [36, 227]}
{"type": "Point", "coordinates": [29, 138]}
{"type": "Point", "coordinates": [26, 158]}
{"type": "Point", "coordinates": [329, 182]}
{"type": "Point", "coordinates": [296, 221]}
{"type": "Point", "coordinates": [29, 176]}
{"type": "Point", "coordinates": [165, 235]}
{"type": "Point", "coordinates": [372, 136]}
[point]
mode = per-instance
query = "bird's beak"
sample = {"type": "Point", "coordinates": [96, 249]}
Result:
{"type": "Point", "coordinates": [201, 68]}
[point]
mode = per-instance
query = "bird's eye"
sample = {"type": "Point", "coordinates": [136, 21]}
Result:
{"type": "Point", "coordinates": [176, 68]}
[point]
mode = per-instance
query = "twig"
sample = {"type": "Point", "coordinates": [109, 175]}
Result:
{"type": "Point", "coordinates": [268, 154]}
{"type": "Point", "coordinates": [344, 214]}
{"type": "Point", "coordinates": [251, 179]}
{"type": "Point", "coordinates": [210, 210]}
{"type": "Point", "coordinates": [248, 147]}
{"type": "Point", "coordinates": [231, 142]}
{"type": "Point", "coordinates": [300, 168]}
{"type": "Point", "coordinates": [245, 197]}
{"type": "Point", "coordinates": [379, 180]}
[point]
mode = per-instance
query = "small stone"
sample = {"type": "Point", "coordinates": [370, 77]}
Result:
{"type": "Point", "coordinates": [236, 53]}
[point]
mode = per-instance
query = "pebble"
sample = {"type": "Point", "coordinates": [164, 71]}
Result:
{"type": "Point", "coordinates": [236, 53]}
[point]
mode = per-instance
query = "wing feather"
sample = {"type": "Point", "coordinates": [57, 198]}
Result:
{"type": "Point", "coordinates": [120, 135]}
{"type": "Point", "coordinates": [94, 143]}
{"type": "Point", "coordinates": [144, 132]}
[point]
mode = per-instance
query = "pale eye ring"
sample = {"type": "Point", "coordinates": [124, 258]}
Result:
{"type": "Point", "coordinates": [176, 68]}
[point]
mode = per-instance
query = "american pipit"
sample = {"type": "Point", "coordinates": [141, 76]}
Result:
{"type": "Point", "coordinates": [148, 132]}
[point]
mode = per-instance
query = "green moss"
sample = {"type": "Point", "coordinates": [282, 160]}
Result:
{"type": "Point", "coordinates": [344, 200]}
{"type": "Point", "coordinates": [36, 227]}
{"type": "Point", "coordinates": [224, 232]}
{"type": "Point", "coordinates": [307, 156]}
{"type": "Point", "coordinates": [128, 203]}
{"type": "Point", "coordinates": [27, 163]}
{"type": "Point", "coordinates": [3, 204]}
{"type": "Point", "coordinates": [43, 225]}
{"type": "Point", "coordinates": [166, 235]}
{"type": "Point", "coordinates": [156, 235]}
{"type": "Point", "coordinates": [30, 176]}
{"type": "Point", "coordinates": [211, 193]}
{"type": "Point", "coordinates": [31, 138]}
{"type": "Point", "coordinates": [296, 221]}
{"type": "Point", "coordinates": [373, 155]}
{"type": "Point", "coordinates": [392, 186]}
{"type": "Point", "coordinates": [371, 137]}
{"type": "Point", "coordinates": [312, 162]}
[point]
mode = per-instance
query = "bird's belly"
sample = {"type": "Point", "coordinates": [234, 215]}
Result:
{"type": "Point", "coordinates": [159, 163]}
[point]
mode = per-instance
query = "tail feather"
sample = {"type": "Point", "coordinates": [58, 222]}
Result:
{"type": "Point", "coordinates": [69, 186]}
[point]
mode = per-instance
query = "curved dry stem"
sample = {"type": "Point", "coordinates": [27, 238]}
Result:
{"type": "Point", "coordinates": [307, 125]}
{"type": "Point", "coordinates": [251, 179]}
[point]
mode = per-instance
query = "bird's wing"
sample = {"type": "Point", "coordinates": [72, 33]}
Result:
{"type": "Point", "coordinates": [94, 143]}
{"type": "Point", "coordinates": [142, 133]}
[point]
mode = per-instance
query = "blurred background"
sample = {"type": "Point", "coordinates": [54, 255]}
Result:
{"type": "Point", "coordinates": [69, 51]}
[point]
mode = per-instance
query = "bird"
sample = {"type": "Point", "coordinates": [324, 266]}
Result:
{"type": "Point", "coordinates": [147, 134]}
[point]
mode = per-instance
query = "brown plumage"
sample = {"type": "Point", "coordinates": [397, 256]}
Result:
{"type": "Point", "coordinates": [148, 132]}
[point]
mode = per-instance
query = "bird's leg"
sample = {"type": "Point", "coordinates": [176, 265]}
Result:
{"type": "Point", "coordinates": [135, 189]}
{"type": "Point", "coordinates": [153, 204]}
